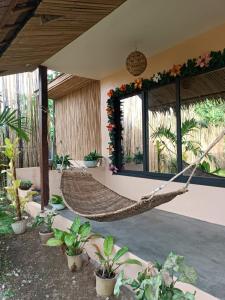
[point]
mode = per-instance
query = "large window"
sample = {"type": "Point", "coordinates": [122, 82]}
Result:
{"type": "Point", "coordinates": [166, 128]}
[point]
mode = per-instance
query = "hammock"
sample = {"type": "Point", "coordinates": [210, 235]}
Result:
{"type": "Point", "coordinates": [90, 199]}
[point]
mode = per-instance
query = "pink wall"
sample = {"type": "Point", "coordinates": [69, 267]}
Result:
{"type": "Point", "coordinates": [202, 202]}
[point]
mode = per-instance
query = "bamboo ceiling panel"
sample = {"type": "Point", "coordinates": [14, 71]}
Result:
{"type": "Point", "coordinates": [48, 29]}
{"type": "Point", "coordinates": [66, 84]}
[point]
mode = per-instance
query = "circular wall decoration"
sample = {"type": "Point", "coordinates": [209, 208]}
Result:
{"type": "Point", "coordinates": [136, 63]}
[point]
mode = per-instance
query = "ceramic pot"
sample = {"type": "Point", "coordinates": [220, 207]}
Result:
{"type": "Point", "coordinates": [75, 262]}
{"type": "Point", "coordinates": [105, 286]}
{"type": "Point", "coordinates": [19, 227]}
{"type": "Point", "coordinates": [91, 163]}
{"type": "Point", "coordinates": [58, 206]}
{"type": "Point", "coordinates": [45, 236]}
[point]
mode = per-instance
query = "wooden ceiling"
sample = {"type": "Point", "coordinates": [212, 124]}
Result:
{"type": "Point", "coordinates": [65, 84]}
{"type": "Point", "coordinates": [209, 85]}
{"type": "Point", "coordinates": [31, 32]}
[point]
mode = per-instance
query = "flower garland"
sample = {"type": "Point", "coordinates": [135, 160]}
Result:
{"type": "Point", "coordinates": [207, 62]}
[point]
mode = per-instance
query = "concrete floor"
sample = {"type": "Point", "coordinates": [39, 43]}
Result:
{"type": "Point", "coordinates": [154, 234]}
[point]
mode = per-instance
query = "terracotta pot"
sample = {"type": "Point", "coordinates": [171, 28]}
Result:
{"type": "Point", "coordinates": [75, 262]}
{"type": "Point", "coordinates": [19, 227]}
{"type": "Point", "coordinates": [105, 286]}
{"type": "Point", "coordinates": [91, 163]}
{"type": "Point", "coordinates": [23, 193]}
{"type": "Point", "coordinates": [45, 236]}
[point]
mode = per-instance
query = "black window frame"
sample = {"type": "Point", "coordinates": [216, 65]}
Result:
{"type": "Point", "coordinates": [216, 182]}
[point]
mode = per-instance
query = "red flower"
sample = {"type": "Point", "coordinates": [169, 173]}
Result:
{"type": "Point", "coordinates": [203, 61]}
{"type": "Point", "coordinates": [110, 93]}
{"type": "Point", "coordinates": [175, 71]}
{"type": "Point", "coordinates": [123, 88]}
{"type": "Point", "coordinates": [110, 127]}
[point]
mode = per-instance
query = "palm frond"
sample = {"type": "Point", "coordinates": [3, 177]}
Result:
{"type": "Point", "coordinates": [9, 118]}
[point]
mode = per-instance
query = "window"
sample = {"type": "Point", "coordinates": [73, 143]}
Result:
{"type": "Point", "coordinates": [168, 127]}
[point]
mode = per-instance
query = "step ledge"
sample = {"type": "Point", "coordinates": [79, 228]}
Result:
{"type": "Point", "coordinates": [64, 223]}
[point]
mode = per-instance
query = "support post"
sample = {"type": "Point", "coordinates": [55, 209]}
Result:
{"type": "Point", "coordinates": [43, 119]}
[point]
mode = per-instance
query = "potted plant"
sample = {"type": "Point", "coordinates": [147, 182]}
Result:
{"type": "Point", "coordinates": [61, 162]}
{"type": "Point", "coordinates": [109, 264]}
{"type": "Point", "coordinates": [57, 202]}
{"type": "Point", "coordinates": [45, 220]}
{"type": "Point", "coordinates": [25, 187]}
{"type": "Point", "coordinates": [158, 282]}
{"type": "Point", "coordinates": [73, 242]}
{"type": "Point", "coordinates": [11, 152]}
{"type": "Point", "coordinates": [91, 160]}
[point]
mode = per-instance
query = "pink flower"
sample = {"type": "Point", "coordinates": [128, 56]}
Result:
{"type": "Point", "coordinates": [203, 61]}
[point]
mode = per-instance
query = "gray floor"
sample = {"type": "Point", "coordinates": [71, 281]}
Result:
{"type": "Point", "coordinates": [154, 234]}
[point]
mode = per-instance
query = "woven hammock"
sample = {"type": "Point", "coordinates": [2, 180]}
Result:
{"type": "Point", "coordinates": [90, 199]}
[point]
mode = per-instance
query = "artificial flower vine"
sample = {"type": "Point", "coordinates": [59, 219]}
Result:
{"type": "Point", "coordinates": [207, 62]}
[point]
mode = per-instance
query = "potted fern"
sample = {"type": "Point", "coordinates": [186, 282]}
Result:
{"type": "Point", "coordinates": [45, 220]}
{"type": "Point", "coordinates": [72, 242]}
{"type": "Point", "coordinates": [91, 160]}
{"type": "Point", "coordinates": [57, 202]}
{"type": "Point", "coordinates": [19, 203]}
{"type": "Point", "coordinates": [109, 264]}
{"type": "Point", "coordinates": [158, 282]}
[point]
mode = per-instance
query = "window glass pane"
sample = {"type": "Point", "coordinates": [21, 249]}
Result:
{"type": "Point", "coordinates": [132, 133]}
{"type": "Point", "coordinates": [162, 129]}
{"type": "Point", "coordinates": [203, 118]}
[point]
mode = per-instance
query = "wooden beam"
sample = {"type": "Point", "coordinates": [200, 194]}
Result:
{"type": "Point", "coordinates": [43, 117]}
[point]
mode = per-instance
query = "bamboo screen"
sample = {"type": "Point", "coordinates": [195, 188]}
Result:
{"type": "Point", "coordinates": [77, 122]}
{"type": "Point", "coordinates": [18, 92]}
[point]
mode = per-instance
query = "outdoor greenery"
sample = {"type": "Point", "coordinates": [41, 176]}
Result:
{"type": "Point", "coordinates": [9, 118]}
{"type": "Point", "coordinates": [110, 262]}
{"type": "Point", "coordinates": [158, 281]}
{"type": "Point", "coordinates": [92, 156]}
{"type": "Point", "coordinates": [56, 199]}
{"type": "Point", "coordinates": [63, 160]}
{"type": "Point", "coordinates": [166, 141]}
{"type": "Point", "coordinates": [11, 152]}
{"type": "Point", "coordinates": [72, 242]}
{"type": "Point", "coordinates": [25, 184]}
{"type": "Point", "coordinates": [45, 220]}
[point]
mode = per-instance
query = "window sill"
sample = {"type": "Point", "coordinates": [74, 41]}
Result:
{"type": "Point", "coordinates": [220, 182]}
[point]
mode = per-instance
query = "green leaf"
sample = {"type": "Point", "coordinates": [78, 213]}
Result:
{"type": "Point", "coordinates": [120, 253]}
{"type": "Point", "coordinates": [173, 262]}
{"type": "Point", "coordinates": [108, 245]}
{"type": "Point", "coordinates": [54, 242]}
{"type": "Point", "coordinates": [131, 261]}
{"type": "Point", "coordinates": [69, 239]}
{"type": "Point", "coordinates": [84, 230]}
{"type": "Point", "coordinates": [59, 234]}
{"type": "Point", "coordinates": [121, 281]}
{"type": "Point", "coordinates": [75, 226]}
{"type": "Point", "coordinates": [187, 274]}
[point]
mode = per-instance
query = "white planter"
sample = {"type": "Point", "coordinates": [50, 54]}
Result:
{"type": "Point", "coordinates": [45, 236]}
{"type": "Point", "coordinates": [105, 286]}
{"type": "Point", "coordinates": [91, 163]}
{"type": "Point", "coordinates": [75, 262]}
{"type": "Point", "coordinates": [23, 193]}
{"type": "Point", "coordinates": [58, 206]}
{"type": "Point", "coordinates": [19, 227]}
